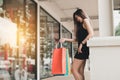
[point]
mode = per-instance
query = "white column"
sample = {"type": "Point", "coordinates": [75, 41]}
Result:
{"type": "Point", "coordinates": [105, 17]}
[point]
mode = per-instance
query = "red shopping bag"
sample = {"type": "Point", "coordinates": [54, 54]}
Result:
{"type": "Point", "coordinates": [59, 61]}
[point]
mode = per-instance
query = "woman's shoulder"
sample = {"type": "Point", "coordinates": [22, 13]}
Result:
{"type": "Point", "coordinates": [85, 20]}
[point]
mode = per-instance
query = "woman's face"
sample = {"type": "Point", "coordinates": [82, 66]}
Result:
{"type": "Point", "coordinates": [78, 18]}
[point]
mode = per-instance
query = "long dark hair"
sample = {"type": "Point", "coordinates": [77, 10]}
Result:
{"type": "Point", "coordinates": [81, 13]}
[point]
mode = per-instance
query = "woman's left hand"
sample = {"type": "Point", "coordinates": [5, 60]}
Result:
{"type": "Point", "coordinates": [80, 48]}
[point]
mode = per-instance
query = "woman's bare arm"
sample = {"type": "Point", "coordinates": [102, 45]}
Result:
{"type": "Point", "coordinates": [70, 40]}
{"type": "Point", "coordinates": [89, 29]}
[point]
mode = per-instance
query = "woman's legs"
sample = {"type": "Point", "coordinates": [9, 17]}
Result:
{"type": "Point", "coordinates": [78, 69]}
{"type": "Point", "coordinates": [81, 70]}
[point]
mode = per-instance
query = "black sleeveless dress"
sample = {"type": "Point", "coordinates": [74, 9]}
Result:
{"type": "Point", "coordinates": [81, 34]}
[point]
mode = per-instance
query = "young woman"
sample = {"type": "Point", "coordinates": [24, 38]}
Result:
{"type": "Point", "coordinates": [83, 31]}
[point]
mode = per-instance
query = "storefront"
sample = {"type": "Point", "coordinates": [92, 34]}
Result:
{"type": "Point", "coordinates": [50, 32]}
{"type": "Point", "coordinates": [18, 37]}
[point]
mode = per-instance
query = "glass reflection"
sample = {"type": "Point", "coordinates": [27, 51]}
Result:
{"type": "Point", "coordinates": [18, 39]}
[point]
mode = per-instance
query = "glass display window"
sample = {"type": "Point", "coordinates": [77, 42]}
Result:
{"type": "Point", "coordinates": [67, 45]}
{"type": "Point", "coordinates": [49, 36]}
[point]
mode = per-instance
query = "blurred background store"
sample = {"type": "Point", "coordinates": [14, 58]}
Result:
{"type": "Point", "coordinates": [18, 37]}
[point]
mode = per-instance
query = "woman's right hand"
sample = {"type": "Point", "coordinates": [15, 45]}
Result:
{"type": "Point", "coordinates": [62, 40]}
{"type": "Point", "coordinates": [80, 48]}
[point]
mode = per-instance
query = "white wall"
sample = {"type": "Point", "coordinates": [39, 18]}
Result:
{"type": "Point", "coordinates": [95, 25]}
{"type": "Point", "coordinates": [104, 58]}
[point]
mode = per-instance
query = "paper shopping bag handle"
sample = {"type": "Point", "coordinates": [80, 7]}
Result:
{"type": "Point", "coordinates": [56, 45]}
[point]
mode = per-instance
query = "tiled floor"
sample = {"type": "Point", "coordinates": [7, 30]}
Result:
{"type": "Point", "coordinates": [70, 77]}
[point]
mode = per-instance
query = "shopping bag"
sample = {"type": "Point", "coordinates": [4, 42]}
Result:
{"type": "Point", "coordinates": [67, 63]}
{"type": "Point", "coordinates": [59, 61]}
